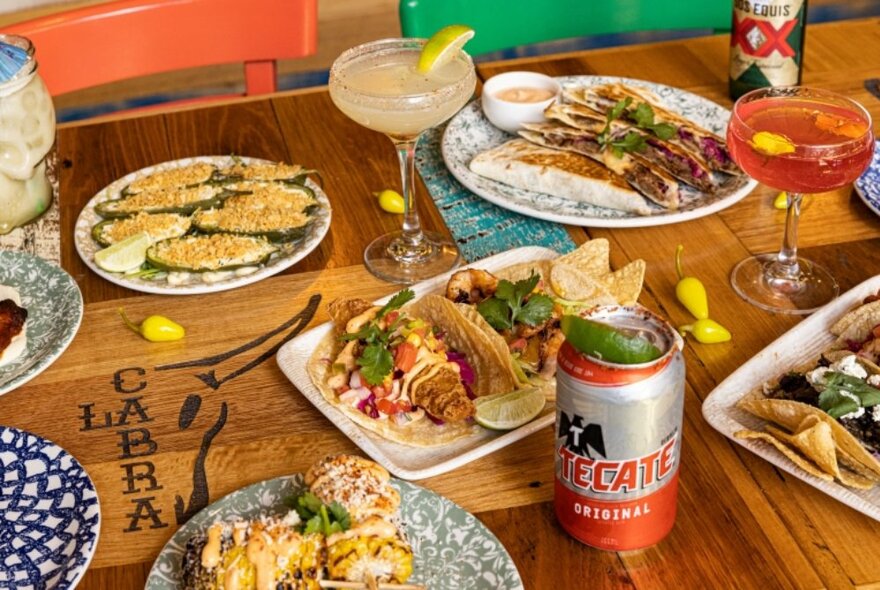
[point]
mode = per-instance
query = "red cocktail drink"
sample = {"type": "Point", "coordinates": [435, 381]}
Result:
{"type": "Point", "coordinates": [800, 140]}
{"type": "Point", "coordinates": [809, 146]}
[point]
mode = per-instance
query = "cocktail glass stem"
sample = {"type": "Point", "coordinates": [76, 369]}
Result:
{"type": "Point", "coordinates": [412, 227]}
{"type": "Point", "coordinates": [785, 273]}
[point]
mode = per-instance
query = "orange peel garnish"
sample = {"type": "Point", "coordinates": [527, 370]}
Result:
{"type": "Point", "coordinates": [839, 125]}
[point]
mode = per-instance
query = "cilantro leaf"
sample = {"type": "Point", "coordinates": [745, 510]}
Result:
{"type": "Point", "coordinates": [396, 302]}
{"type": "Point", "coordinates": [375, 362]}
{"type": "Point", "coordinates": [867, 394]}
{"type": "Point", "coordinates": [835, 403]}
{"type": "Point", "coordinates": [307, 505]}
{"type": "Point", "coordinates": [497, 312]}
{"type": "Point", "coordinates": [618, 109]}
{"type": "Point", "coordinates": [663, 130]}
{"type": "Point", "coordinates": [536, 310]}
{"type": "Point", "coordinates": [642, 115]}
{"type": "Point", "coordinates": [314, 525]}
{"type": "Point", "coordinates": [369, 332]}
{"type": "Point", "coordinates": [505, 290]}
{"type": "Point", "coordinates": [340, 514]}
{"type": "Point", "coordinates": [522, 288]}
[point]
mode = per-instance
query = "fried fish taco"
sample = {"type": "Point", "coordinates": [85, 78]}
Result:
{"type": "Point", "coordinates": [407, 371]}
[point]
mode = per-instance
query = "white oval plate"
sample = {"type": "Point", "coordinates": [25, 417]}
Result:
{"type": "Point", "coordinates": [289, 255]}
{"type": "Point", "coordinates": [55, 309]}
{"type": "Point", "coordinates": [470, 133]}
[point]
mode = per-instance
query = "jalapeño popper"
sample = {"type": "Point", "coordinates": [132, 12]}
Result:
{"type": "Point", "coordinates": [619, 406]}
{"type": "Point", "coordinates": [766, 44]}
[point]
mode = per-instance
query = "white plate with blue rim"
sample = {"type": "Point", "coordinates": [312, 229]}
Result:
{"type": "Point", "coordinates": [470, 133]}
{"type": "Point", "coordinates": [50, 517]}
{"type": "Point", "coordinates": [868, 184]}
{"type": "Point", "coordinates": [55, 308]}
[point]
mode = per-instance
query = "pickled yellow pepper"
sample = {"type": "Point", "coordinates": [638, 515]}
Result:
{"type": "Point", "coordinates": [690, 291]}
{"type": "Point", "coordinates": [155, 328]}
{"type": "Point", "coordinates": [692, 294]}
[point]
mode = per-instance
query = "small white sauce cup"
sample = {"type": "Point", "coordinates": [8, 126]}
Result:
{"type": "Point", "coordinates": [510, 116]}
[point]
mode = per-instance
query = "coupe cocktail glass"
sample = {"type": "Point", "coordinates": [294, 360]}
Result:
{"type": "Point", "coordinates": [377, 85]}
{"type": "Point", "coordinates": [800, 140]}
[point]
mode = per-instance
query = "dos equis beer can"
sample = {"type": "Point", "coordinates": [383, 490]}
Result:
{"type": "Point", "coordinates": [618, 437]}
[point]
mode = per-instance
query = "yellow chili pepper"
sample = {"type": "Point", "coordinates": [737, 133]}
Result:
{"type": "Point", "coordinates": [155, 328]}
{"type": "Point", "coordinates": [390, 201]}
{"type": "Point", "coordinates": [706, 331]}
{"type": "Point", "coordinates": [781, 201]}
{"type": "Point", "coordinates": [690, 291]}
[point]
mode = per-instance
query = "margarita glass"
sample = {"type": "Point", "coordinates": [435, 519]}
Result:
{"type": "Point", "coordinates": [378, 86]}
{"type": "Point", "coordinates": [802, 141]}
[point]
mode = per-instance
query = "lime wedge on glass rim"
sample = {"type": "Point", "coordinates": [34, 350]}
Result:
{"type": "Point", "coordinates": [125, 255]}
{"type": "Point", "coordinates": [607, 342]}
{"type": "Point", "coordinates": [443, 46]}
{"type": "Point", "coordinates": [509, 410]}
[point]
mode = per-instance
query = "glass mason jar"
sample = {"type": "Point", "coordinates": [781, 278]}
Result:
{"type": "Point", "coordinates": [27, 138]}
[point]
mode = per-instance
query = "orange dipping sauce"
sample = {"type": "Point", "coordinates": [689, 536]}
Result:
{"type": "Point", "coordinates": [524, 94]}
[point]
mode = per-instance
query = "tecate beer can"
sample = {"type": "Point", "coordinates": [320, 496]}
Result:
{"type": "Point", "coordinates": [618, 438]}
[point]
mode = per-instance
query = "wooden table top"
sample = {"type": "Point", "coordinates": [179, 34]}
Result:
{"type": "Point", "coordinates": [741, 522]}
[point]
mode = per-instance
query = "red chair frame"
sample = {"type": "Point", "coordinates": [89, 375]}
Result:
{"type": "Point", "coordinates": [125, 39]}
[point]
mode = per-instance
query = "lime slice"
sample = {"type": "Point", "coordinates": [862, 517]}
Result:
{"type": "Point", "coordinates": [443, 46]}
{"type": "Point", "coordinates": [771, 144]}
{"type": "Point", "coordinates": [608, 343]}
{"type": "Point", "coordinates": [125, 255]}
{"type": "Point", "coordinates": [506, 411]}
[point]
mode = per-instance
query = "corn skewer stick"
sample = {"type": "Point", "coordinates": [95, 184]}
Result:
{"type": "Point", "coordinates": [342, 585]}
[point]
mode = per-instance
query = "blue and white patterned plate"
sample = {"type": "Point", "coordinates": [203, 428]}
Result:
{"type": "Point", "coordinates": [470, 133]}
{"type": "Point", "coordinates": [55, 308]}
{"type": "Point", "coordinates": [868, 184]}
{"type": "Point", "coordinates": [452, 550]}
{"type": "Point", "coordinates": [49, 514]}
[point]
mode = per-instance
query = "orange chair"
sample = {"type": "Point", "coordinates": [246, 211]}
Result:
{"type": "Point", "coordinates": [129, 38]}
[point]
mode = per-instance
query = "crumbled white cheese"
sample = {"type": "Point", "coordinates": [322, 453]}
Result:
{"type": "Point", "coordinates": [291, 519]}
{"type": "Point", "coordinates": [816, 377]}
{"type": "Point", "coordinates": [874, 380]}
{"type": "Point", "coordinates": [857, 413]}
{"type": "Point", "coordinates": [875, 413]}
{"type": "Point", "coordinates": [850, 366]}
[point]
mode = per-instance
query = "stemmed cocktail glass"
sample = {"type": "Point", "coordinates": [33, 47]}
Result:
{"type": "Point", "coordinates": [378, 85]}
{"type": "Point", "coordinates": [800, 140]}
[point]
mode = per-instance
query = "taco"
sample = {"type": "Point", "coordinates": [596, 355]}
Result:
{"type": "Point", "coordinates": [519, 307]}
{"type": "Point", "coordinates": [407, 371]}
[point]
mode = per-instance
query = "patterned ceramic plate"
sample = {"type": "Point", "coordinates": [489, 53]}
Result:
{"type": "Point", "coordinates": [452, 549]}
{"type": "Point", "coordinates": [470, 133]}
{"type": "Point", "coordinates": [868, 184]}
{"type": "Point", "coordinates": [49, 514]}
{"type": "Point", "coordinates": [289, 255]}
{"type": "Point", "coordinates": [54, 306]}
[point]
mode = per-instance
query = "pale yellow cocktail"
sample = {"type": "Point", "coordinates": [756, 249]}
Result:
{"type": "Point", "coordinates": [378, 86]}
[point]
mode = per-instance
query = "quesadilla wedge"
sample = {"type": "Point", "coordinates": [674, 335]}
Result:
{"type": "Point", "coordinates": [690, 136]}
{"type": "Point", "coordinates": [407, 372]}
{"type": "Point", "coordinates": [655, 184]}
{"type": "Point", "coordinates": [529, 166]}
{"type": "Point", "coordinates": [681, 163]}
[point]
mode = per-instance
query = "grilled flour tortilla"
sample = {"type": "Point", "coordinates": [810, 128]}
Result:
{"type": "Point", "coordinates": [433, 383]}
{"type": "Point", "coordinates": [529, 166]}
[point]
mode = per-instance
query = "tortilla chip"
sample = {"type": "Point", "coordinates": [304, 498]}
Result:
{"type": "Point", "coordinates": [795, 457]}
{"type": "Point", "coordinates": [574, 284]}
{"type": "Point", "coordinates": [857, 324]}
{"type": "Point", "coordinates": [790, 414]}
{"type": "Point", "coordinates": [625, 284]}
{"type": "Point", "coordinates": [592, 258]}
{"type": "Point", "coordinates": [524, 270]}
{"type": "Point", "coordinates": [815, 441]}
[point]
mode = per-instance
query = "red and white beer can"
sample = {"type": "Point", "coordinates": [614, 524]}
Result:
{"type": "Point", "coordinates": [618, 438]}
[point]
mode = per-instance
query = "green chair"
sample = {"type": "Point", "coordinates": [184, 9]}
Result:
{"type": "Point", "coordinates": [501, 24]}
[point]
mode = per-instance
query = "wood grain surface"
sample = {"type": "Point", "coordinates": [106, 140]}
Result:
{"type": "Point", "coordinates": [114, 402]}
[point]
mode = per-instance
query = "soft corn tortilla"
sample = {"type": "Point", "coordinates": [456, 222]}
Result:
{"type": "Point", "coordinates": [493, 375]}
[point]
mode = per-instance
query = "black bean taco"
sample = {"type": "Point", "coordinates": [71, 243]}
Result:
{"type": "Point", "coordinates": [408, 370]}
